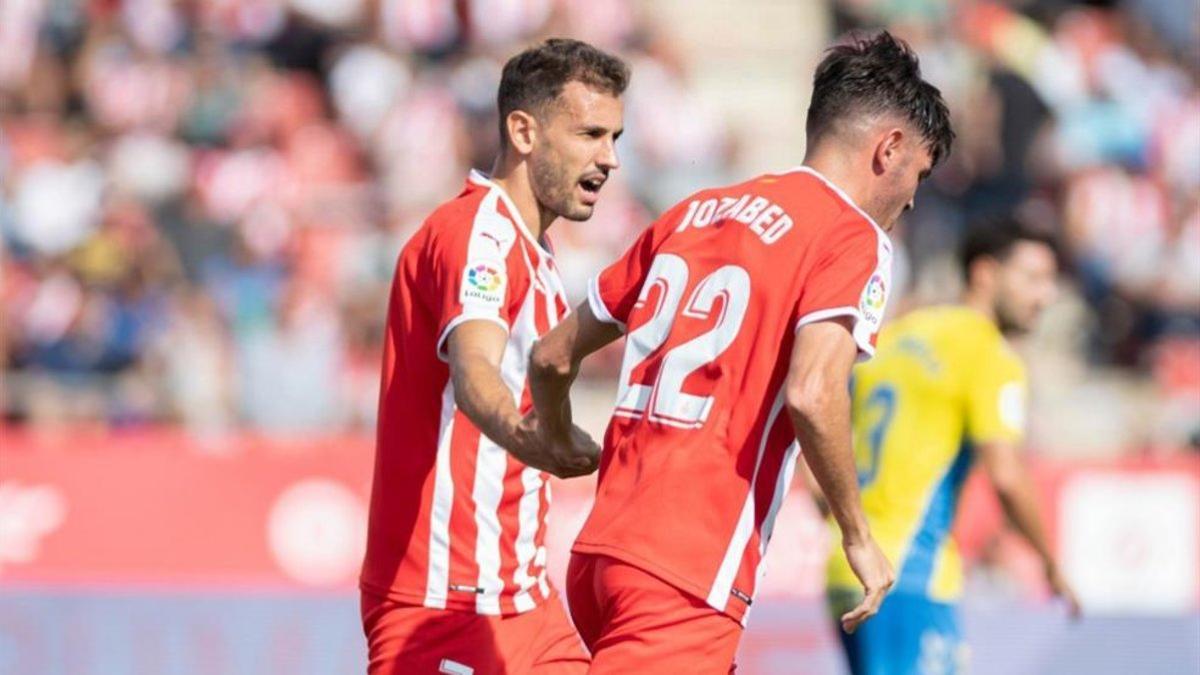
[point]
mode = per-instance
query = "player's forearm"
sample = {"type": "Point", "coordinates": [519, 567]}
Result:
{"type": "Point", "coordinates": [1006, 470]}
{"type": "Point", "coordinates": [814, 489]}
{"type": "Point", "coordinates": [551, 373]}
{"type": "Point", "coordinates": [822, 423]}
{"type": "Point", "coordinates": [1019, 501]}
{"type": "Point", "coordinates": [553, 365]}
{"type": "Point", "coordinates": [481, 394]}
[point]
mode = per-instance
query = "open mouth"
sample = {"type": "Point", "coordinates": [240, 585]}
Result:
{"type": "Point", "coordinates": [591, 187]}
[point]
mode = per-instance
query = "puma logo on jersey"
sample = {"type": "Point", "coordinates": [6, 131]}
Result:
{"type": "Point", "coordinates": [494, 239]}
{"type": "Point", "coordinates": [765, 218]}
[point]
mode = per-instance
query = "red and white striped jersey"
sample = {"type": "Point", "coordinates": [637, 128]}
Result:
{"type": "Point", "coordinates": [700, 452]}
{"type": "Point", "coordinates": [455, 521]}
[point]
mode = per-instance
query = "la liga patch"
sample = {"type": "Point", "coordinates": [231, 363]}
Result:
{"type": "Point", "coordinates": [483, 282]}
{"type": "Point", "coordinates": [874, 299]}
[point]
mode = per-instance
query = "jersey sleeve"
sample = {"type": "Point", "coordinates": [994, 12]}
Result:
{"type": "Point", "coordinates": [475, 272]}
{"type": "Point", "coordinates": [996, 399]}
{"type": "Point", "coordinates": [850, 278]}
{"type": "Point", "coordinates": [613, 293]}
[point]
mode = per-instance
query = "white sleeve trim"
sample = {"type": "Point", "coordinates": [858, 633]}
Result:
{"type": "Point", "coordinates": [597, 304]}
{"type": "Point", "coordinates": [468, 314]}
{"type": "Point", "coordinates": [823, 314]}
{"type": "Point", "coordinates": [861, 330]}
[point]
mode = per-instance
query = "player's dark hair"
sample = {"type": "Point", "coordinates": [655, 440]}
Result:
{"type": "Point", "coordinates": [536, 76]}
{"type": "Point", "coordinates": [873, 75]}
{"type": "Point", "coordinates": [996, 238]}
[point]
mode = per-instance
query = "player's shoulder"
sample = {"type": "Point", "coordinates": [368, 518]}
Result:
{"type": "Point", "coordinates": [800, 189]}
{"type": "Point", "coordinates": [478, 218]}
{"type": "Point", "coordinates": [830, 217]}
{"type": "Point", "coordinates": [972, 336]}
{"type": "Point", "coordinates": [946, 324]}
{"type": "Point", "coordinates": [808, 191]}
{"type": "Point", "coordinates": [796, 202]}
{"type": "Point", "coordinates": [1005, 361]}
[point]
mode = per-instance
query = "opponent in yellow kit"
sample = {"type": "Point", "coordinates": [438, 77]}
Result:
{"type": "Point", "coordinates": [944, 391]}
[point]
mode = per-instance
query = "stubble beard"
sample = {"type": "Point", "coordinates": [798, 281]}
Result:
{"type": "Point", "coordinates": [553, 187]}
{"type": "Point", "coordinates": [1007, 321]}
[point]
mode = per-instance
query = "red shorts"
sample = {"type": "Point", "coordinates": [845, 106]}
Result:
{"type": "Point", "coordinates": [632, 621]}
{"type": "Point", "coordinates": [404, 638]}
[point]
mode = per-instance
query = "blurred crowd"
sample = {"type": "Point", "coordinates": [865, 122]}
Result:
{"type": "Point", "coordinates": [1083, 119]}
{"type": "Point", "coordinates": [201, 202]}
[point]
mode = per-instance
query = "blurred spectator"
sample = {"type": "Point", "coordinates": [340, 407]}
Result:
{"type": "Point", "coordinates": [201, 203]}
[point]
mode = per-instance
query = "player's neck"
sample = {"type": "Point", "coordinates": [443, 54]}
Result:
{"type": "Point", "coordinates": [515, 183]}
{"type": "Point", "coordinates": [977, 302]}
{"type": "Point", "coordinates": [837, 168]}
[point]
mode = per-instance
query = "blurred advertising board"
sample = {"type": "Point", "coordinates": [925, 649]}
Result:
{"type": "Point", "coordinates": [153, 552]}
{"type": "Point", "coordinates": [161, 508]}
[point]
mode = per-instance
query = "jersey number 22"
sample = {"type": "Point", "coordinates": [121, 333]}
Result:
{"type": "Point", "coordinates": [662, 396]}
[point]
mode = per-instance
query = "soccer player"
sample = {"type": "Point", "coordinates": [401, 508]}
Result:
{"type": "Point", "coordinates": [744, 308]}
{"type": "Point", "coordinates": [454, 578]}
{"type": "Point", "coordinates": [943, 392]}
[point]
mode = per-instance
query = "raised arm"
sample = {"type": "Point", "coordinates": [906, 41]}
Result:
{"type": "Point", "coordinates": [475, 349]}
{"type": "Point", "coordinates": [818, 400]}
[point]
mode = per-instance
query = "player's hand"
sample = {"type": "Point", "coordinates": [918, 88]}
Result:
{"type": "Point", "coordinates": [875, 573]}
{"type": "Point", "coordinates": [585, 449]}
{"type": "Point", "coordinates": [1062, 589]}
{"type": "Point", "coordinates": [576, 455]}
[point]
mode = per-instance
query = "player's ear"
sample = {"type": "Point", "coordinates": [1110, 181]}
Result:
{"type": "Point", "coordinates": [522, 130]}
{"type": "Point", "coordinates": [887, 151]}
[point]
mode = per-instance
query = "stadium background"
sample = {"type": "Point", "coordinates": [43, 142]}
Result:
{"type": "Point", "coordinates": [201, 202]}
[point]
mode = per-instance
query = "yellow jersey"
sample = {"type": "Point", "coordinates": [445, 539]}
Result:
{"type": "Point", "coordinates": [942, 381]}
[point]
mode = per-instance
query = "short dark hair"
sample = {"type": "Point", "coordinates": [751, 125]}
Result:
{"type": "Point", "coordinates": [537, 75]}
{"type": "Point", "coordinates": [878, 74]}
{"type": "Point", "coordinates": [995, 238]}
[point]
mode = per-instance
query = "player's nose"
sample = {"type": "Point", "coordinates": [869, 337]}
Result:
{"type": "Point", "coordinates": [608, 160]}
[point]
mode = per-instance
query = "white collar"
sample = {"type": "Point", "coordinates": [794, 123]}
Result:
{"type": "Point", "coordinates": [478, 178]}
{"type": "Point", "coordinates": [844, 197]}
